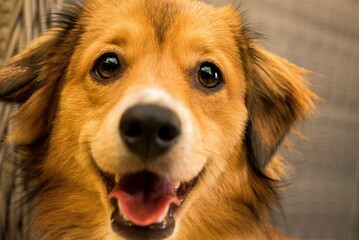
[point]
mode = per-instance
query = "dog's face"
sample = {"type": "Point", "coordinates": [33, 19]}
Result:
{"type": "Point", "coordinates": [154, 89]}
{"type": "Point", "coordinates": [157, 100]}
{"type": "Point", "coordinates": [153, 112]}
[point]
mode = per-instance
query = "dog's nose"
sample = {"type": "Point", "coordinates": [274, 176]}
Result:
{"type": "Point", "coordinates": [149, 130]}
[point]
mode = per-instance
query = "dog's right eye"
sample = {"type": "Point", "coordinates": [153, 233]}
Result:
{"type": "Point", "coordinates": [107, 67]}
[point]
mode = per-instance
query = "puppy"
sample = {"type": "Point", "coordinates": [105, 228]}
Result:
{"type": "Point", "coordinates": [150, 120]}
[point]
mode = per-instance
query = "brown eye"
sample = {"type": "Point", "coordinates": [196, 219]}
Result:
{"type": "Point", "coordinates": [209, 75]}
{"type": "Point", "coordinates": [107, 67]}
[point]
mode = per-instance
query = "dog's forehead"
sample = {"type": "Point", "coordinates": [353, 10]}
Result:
{"type": "Point", "coordinates": [165, 18]}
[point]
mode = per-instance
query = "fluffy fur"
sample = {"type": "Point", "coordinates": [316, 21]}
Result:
{"type": "Point", "coordinates": [236, 130]}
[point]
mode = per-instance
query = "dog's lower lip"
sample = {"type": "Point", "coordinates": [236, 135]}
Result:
{"type": "Point", "coordinates": [156, 231]}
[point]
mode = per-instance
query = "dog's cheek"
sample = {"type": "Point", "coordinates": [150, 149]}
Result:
{"type": "Point", "coordinates": [75, 124]}
{"type": "Point", "coordinates": [222, 139]}
{"type": "Point", "coordinates": [224, 122]}
{"type": "Point", "coordinates": [230, 166]}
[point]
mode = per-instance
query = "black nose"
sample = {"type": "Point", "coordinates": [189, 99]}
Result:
{"type": "Point", "coordinates": [149, 130]}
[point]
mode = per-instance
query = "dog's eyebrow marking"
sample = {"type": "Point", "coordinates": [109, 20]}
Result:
{"type": "Point", "coordinates": [161, 16]}
{"type": "Point", "coordinates": [119, 41]}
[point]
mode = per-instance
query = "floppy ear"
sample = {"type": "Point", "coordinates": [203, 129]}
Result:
{"type": "Point", "coordinates": [21, 77]}
{"type": "Point", "coordinates": [277, 98]}
{"type": "Point", "coordinates": [46, 59]}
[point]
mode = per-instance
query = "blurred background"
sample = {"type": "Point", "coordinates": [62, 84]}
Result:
{"type": "Point", "coordinates": [321, 200]}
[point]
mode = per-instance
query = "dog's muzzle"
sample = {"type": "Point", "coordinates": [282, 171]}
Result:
{"type": "Point", "coordinates": [144, 201]}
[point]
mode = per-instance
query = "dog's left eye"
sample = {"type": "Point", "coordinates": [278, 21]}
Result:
{"type": "Point", "coordinates": [107, 67]}
{"type": "Point", "coordinates": [209, 75]}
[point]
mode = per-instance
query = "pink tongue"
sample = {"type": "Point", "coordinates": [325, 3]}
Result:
{"type": "Point", "coordinates": [144, 197]}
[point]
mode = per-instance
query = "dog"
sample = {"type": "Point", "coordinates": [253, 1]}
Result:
{"type": "Point", "coordinates": [151, 120]}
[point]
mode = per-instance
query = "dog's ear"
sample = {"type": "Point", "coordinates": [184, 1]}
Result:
{"type": "Point", "coordinates": [21, 77]}
{"type": "Point", "coordinates": [277, 98]}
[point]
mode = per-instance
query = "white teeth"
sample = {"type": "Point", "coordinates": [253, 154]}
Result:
{"type": "Point", "coordinates": [117, 178]}
{"type": "Point", "coordinates": [177, 185]}
{"type": "Point", "coordinates": [163, 217]}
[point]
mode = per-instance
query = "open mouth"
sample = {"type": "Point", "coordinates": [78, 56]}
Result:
{"type": "Point", "coordinates": [145, 204]}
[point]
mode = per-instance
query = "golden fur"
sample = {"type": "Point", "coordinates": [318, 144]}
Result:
{"type": "Point", "coordinates": [61, 120]}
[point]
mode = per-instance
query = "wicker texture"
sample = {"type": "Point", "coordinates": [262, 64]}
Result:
{"type": "Point", "coordinates": [20, 22]}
